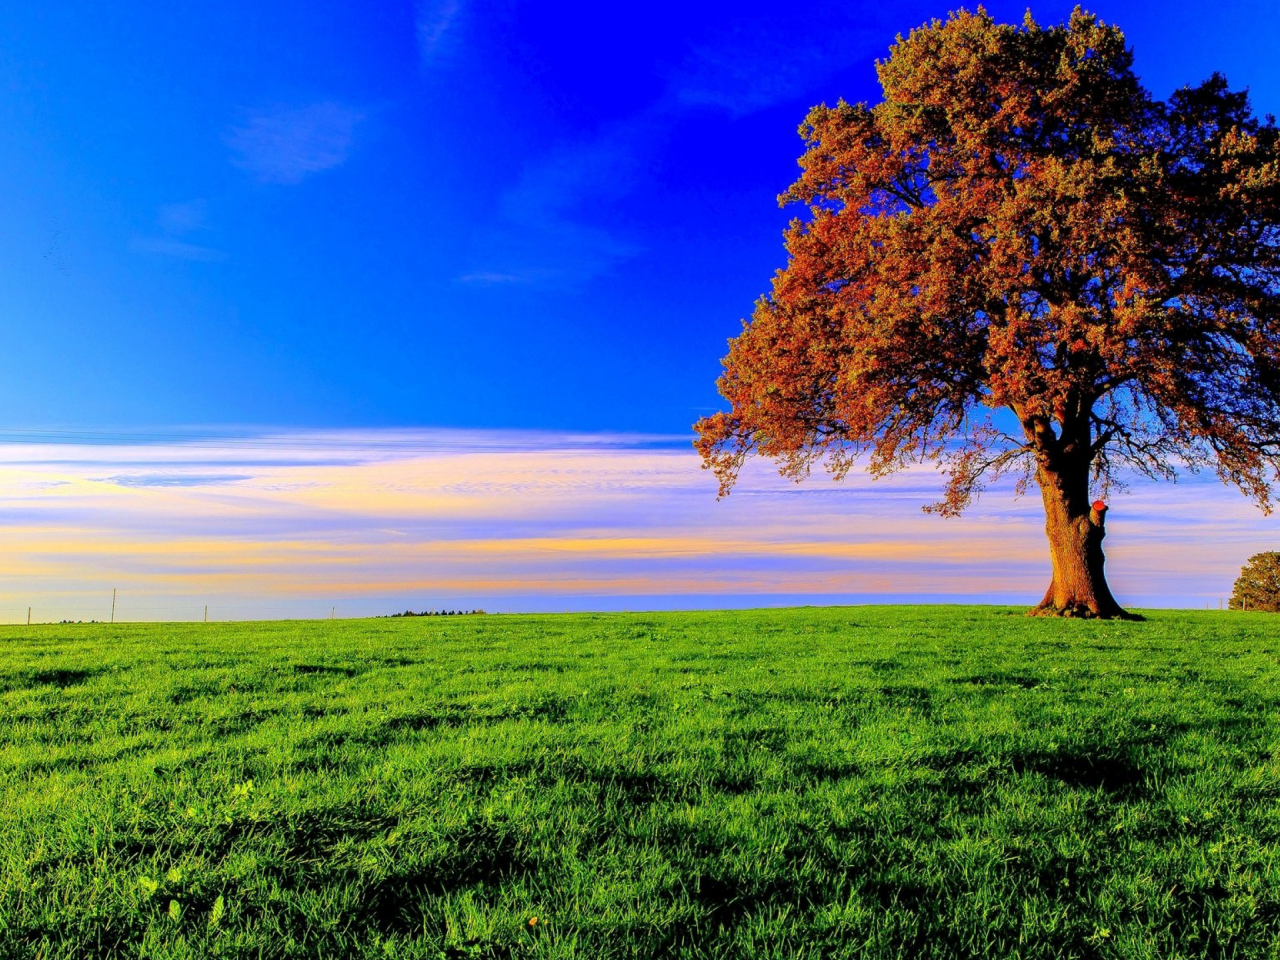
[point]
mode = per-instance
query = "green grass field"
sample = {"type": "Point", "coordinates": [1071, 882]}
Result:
{"type": "Point", "coordinates": [842, 782]}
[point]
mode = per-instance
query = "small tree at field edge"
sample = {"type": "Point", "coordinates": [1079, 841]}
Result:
{"type": "Point", "coordinates": [1258, 586]}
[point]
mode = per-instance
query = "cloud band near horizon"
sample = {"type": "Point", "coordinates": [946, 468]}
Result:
{"type": "Point", "coordinates": [296, 523]}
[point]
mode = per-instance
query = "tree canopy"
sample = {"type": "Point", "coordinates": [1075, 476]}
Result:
{"type": "Point", "coordinates": [1019, 225]}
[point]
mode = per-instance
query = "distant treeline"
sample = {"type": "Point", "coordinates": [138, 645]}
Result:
{"type": "Point", "coordinates": [436, 613]}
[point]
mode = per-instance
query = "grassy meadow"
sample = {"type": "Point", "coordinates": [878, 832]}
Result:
{"type": "Point", "coordinates": [914, 782]}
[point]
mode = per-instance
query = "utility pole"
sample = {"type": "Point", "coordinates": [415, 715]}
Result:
{"type": "Point", "coordinates": [113, 604]}
{"type": "Point", "coordinates": [28, 616]}
{"type": "Point", "coordinates": [206, 613]}
{"type": "Point", "coordinates": [332, 611]}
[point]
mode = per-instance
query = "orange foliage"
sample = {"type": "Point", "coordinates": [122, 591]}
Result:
{"type": "Point", "coordinates": [1019, 224]}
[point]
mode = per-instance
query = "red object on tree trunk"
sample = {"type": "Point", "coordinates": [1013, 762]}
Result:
{"type": "Point", "coordinates": [1100, 506]}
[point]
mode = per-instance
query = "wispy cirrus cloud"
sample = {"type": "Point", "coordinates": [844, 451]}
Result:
{"type": "Point", "coordinates": [289, 523]}
{"type": "Point", "coordinates": [549, 229]}
{"type": "Point", "coordinates": [501, 278]}
{"type": "Point", "coordinates": [285, 145]}
{"type": "Point", "coordinates": [184, 217]}
{"type": "Point", "coordinates": [179, 249]}
{"type": "Point", "coordinates": [760, 62]}
{"type": "Point", "coordinates": [436, 20]}
{"type": "Point", "coordinates": [175, 479]}
{"type": "Point", "coordinates": [545, 232]}
{"type": "Point", "coordinates": [176, 221]}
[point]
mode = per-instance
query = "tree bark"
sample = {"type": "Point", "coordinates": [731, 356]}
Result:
{"type": "Point", "coordinates": [1075, 528]}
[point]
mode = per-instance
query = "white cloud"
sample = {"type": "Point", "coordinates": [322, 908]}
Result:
{"type": "Point", "coordinates": [168, 247]}
{"type": "Point", "coordinates": [545, 233]}
{"type": "Point", "coordinates": [181, 218]}
{"type": "Point", "coordinates": [175, 221]}
{"type": "Point", "coordinates": [285, 145]}
{"type": "Point", "coordinates": [497, 278]}
{"type": "Point", "coordinates": [551, 229]}
{"type": "Point", "coordinates": [753, 66]}
{"type": "Point", "coordinates": [436, 19]}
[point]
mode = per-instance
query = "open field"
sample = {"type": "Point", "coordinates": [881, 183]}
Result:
{"type": "Point", "coordinates": [841, 782]}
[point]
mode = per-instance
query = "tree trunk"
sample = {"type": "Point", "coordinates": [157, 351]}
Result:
{"type": "Point", "coordinates": [1075, 529]}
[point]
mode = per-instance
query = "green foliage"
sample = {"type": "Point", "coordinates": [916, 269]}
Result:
{"type": "Point", "coordinates": [866, 782]}
{"type": "Point", "coordinates": [1258, 586]}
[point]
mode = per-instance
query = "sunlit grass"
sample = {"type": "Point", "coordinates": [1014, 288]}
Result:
{"type": "Point", "coordinates": [841, 782]}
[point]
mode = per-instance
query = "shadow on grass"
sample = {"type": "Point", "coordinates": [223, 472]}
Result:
{"type": "Point", "coordinates": [998, 679]}
{"type": "Point", "coordinates": [483, 855]}
{"type": "Point", "coordinates": [305, 668]}
{"type": "Point", "coordinates": [1087, 770]}
{"type": "Point", "coordinates": [31, 679]}
{"type": "Point", "coordinates": [1112, 769]}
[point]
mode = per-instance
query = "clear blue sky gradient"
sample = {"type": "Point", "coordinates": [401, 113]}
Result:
{"type": "Point", "coordinates": [450, 214]}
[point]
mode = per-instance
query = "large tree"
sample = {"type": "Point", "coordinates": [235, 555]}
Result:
{"type": "Point", "coordinates": [1021, 261]}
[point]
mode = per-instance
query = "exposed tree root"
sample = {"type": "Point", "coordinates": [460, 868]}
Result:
{"type": "Point", "coordinates": [1082, 611]}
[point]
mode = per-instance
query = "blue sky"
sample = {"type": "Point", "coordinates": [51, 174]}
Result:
{"type": "Point", "coordinates": [412, 305]}
{"type": "Point", "coordinates": [443, 214]}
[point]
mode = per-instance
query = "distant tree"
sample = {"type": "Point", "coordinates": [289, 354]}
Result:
{"type": "Point", "coordinates": [1019, 226]}
{"type": "Point", "coordinates": [1258, 586]}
